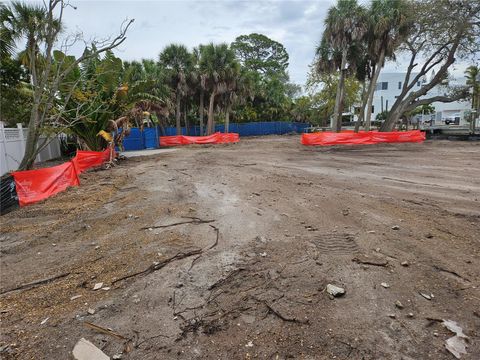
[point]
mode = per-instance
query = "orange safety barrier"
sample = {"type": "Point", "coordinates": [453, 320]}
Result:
{"type": "Point", "coordinates": [361, 138]}
{"type": "Point", "coordinates": [88, 159]}
{"type": "Point", "coordinates": [36, 185]}
{"type": "Point", "coordinates": [217, 138]}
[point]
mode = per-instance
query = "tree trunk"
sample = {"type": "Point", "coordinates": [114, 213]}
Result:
{"type": "Point", "coordinates": [201, 109]}
{"type": "Point", "coordinates": [30, 147]}
{"type": "Point", "coordinates": [341, 107]}
{"type": "Point", "coordinates": [334, 122]}
{"type": "Point", "coordinates": [227, 118]}
{"type": "Point", "coordinates": [210, 114]}
{"type": "Point", "coordinates": [185, 120]}
{"type": "Point", "coordinates": [361, 115]}
{"type": "Point", "coordinates": [178, 115]}
{"type": "Point", "coordinates": [371, 90]}
{"type": "Point", "coordinates": [393, 117]}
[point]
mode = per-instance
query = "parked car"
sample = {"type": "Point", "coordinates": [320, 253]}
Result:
{"type": "Point", "coordinates": [452, 120]}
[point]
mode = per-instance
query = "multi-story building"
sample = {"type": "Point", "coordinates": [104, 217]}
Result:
{"type": "Point", "coordinates": [389, 86]}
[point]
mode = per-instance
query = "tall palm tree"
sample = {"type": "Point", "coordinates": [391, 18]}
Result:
{"type": "Point", "coordinates": [472, 74]}
{"type": "Point", "coordinates": [21, 20]}
{"type": "Point", "coordinates": [240, 87]}
{"type": "Point", "coordinates": [344, 25]}
{"type": "Point", "coordinates": [388, 25]}
{"type": "Point", "coordinates": [219, 65]}
{"type": "Point", "coordinates": [177, 60]}
{"type": "Point", "coordinates": [201, 79]}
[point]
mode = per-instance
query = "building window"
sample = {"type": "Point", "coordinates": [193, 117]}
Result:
{"type": "Point", "coordinates": [386, 105]}
{"type": "Point", "coordinates": [373, 109]}
{"type": "Point", "coordinates": [381, 86]}
{"type": "Point", "coordinates": [399, 85]}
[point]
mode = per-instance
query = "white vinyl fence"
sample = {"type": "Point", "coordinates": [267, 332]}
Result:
{"type": "Point", "coordinates": [12, 148]}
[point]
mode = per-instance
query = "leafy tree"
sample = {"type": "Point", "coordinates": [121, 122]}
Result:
{"type": "Point", "coordinates": [438, 38]}
{"type": "Point", "coordinates": [16, 93]}
{"type": "Point", "coordinates": [259, 53]}
{"type": "Point", "coordinates": [271, 93]}
{"type": "Point", "coordinates": [382, 116]}
{"type": "Point", "coordinates": [323, 87]}
{"type": "Point", "coordinates": [50, 70]}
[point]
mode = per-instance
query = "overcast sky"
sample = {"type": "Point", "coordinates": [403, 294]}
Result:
{"type": "Point", "coordinates": [297, 24]}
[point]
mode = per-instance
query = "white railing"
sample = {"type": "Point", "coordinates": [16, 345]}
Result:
{"type": "Point", "coordinates": [12, 148]}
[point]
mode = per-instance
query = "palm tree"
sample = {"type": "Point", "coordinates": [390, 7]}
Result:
{"type": "Point", "coordinates": [29, 21]}
{"type": "Point", "coordinates": [177, 60]}
{"type": "Point", "coordinates": [219, 65]}
{"type": "Point", "coordinates": [472, 74]}
{"type": "Point", "coordinates": [240, 87]}
{"type": "Point", "coordinates": [201, 79]}
{"type": "Point", "coordinates": [7, 38]}
{"type": "Point", "coordinates": [344, 25]}
{"type": "Point", "coordinates": [388, 24]}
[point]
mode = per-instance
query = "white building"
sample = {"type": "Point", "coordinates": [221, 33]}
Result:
{"type": "Point", "coordinates": [389, 86]}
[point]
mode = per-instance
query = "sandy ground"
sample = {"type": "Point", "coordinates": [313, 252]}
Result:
{"type": "Point", "coordinates": [224, 252]}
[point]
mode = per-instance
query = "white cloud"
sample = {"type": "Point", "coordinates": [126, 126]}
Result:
{"type": "Point", "coordinates": [297, 24]}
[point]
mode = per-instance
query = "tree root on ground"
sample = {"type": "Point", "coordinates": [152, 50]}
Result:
{"type": "Point", "coordinates": [35, 283]}
{"type": "Point", "coordinates": [195, 221]}
{"type": "Point", "coordinates": [179, 256]}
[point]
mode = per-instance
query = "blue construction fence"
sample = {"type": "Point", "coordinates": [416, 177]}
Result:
{"type": "Point", "coordinates": [148, 139]}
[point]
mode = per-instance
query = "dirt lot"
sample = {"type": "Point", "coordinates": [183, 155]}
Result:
{"type": "Point", "coordinates": [224, 252]}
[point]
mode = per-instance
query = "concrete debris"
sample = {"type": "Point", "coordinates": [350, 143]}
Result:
{"type": "Point", "coordinates": [371, 231]}
{"type": "Point", "coordinates": [398, 304]}
{"type": "Point", "coordinates": [106, 288]}
{"type": "Point", "coordinates": [335, 291]}
{"type": "Point", "coordinates": [75, 297]}
{"type": "Point", "coordinates": [44, 321]}
{"type": "Point", "coordinates": [91, 311]}
{"type": "Point", "coordinates": [264, 254]}
{"type": "Point", "coordinates": [98, 286]}
{"type": "Point", "coordinates": [393, 316]}
{"type": "Point", "coordinates": [404, 263]}
{"type": "Point", "coordinates": [457, 344]}
{"type": "Point", "coordinates": [395, 227]}
{"type": "Point", "coordinates": [426, 296]}
{"type": "Point", "coordinates": [261, 239]}
{"type": "Point", "coordinates": [85, 350]}
{"type": "Point", "coordinates": [249, 344]}
{"type": "Point", "coordinates": [410, 315]}
{"type": "Point", "coordinates": [374, 260]}
{"type": "Point", "coordinates": [117, 356]}
{"type": "Point", "coordinates": [385, 285]}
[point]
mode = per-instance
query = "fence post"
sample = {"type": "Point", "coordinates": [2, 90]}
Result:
{"type": "Point", "coordinates": [4, 140]}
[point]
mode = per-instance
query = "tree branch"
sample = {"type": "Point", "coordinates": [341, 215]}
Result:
{"type": "Point", "coordinates": [439, 98]}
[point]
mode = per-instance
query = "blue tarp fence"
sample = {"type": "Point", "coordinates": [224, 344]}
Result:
{"type": "Point", "coordinates": [149, 138]}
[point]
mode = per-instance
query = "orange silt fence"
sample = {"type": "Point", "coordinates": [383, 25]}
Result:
{"type": "Point", "coordinates": [361, 138]}
{"type": "Point", "coordinates": [217, 138]}
{"type": "Point", "coordinates": [39, 184]}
